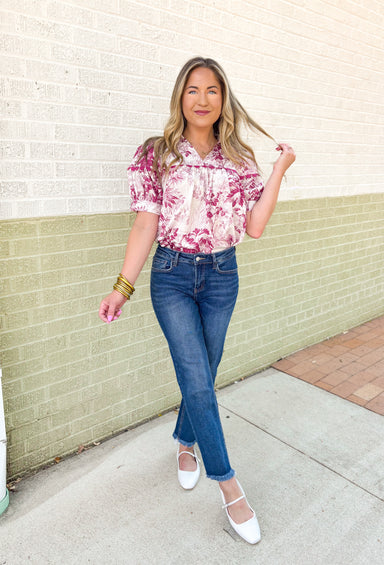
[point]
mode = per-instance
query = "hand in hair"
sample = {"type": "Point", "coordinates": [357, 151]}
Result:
{"type": "Point", "coordinates": [261, 212]}
{"type": "Point", "coordinates": [286, 158]}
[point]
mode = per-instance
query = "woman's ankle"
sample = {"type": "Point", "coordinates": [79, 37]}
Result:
{"type": "Point", "coordinates": [186, 448]}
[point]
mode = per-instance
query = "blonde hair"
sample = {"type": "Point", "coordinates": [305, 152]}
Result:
{"type": "Point", "coordinates": [226, 128]}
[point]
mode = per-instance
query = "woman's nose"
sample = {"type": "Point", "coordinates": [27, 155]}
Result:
{"type": "Point", "coordinates": [203, 101]}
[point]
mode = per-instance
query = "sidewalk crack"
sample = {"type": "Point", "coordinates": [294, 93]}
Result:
{"type": "Point", "coordinates": [303, 453]}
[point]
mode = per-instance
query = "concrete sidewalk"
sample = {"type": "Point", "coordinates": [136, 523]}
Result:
{"type": "Point", "coordinates": [311, 463]}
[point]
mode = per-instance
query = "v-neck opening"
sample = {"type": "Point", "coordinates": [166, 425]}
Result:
{"type": "Point", "coordinates": [196, 151]}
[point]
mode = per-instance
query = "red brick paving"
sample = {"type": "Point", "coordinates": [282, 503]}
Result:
{"type": "Point", "coordinates": [350, 365]}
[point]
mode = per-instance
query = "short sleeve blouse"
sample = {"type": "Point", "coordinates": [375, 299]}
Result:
{"type": "Point", "coordinates": [202, 204]}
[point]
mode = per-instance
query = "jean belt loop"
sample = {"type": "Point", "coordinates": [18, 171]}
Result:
{"type": "Point", "coordinates": [214, 259]}
{"type": "Point", "coordinates": [176, 258]}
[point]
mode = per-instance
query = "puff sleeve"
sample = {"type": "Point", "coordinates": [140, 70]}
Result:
{"type": "Point", "coordinates": [252, 184]}
{"type": "Point", "coordinates": [144, 187]}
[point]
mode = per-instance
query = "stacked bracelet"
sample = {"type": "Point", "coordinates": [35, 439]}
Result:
{"type": "Point", "coordinates": [123, 286]}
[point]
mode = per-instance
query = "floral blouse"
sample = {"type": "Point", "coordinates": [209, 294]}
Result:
{"type": "Point", "coordinates": [201, 203]}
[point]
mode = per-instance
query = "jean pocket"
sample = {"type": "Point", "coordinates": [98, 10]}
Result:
{"type": "Point", "coordinates": [227, 266]}
{"type": "Point", "coordinates": [162, 265]}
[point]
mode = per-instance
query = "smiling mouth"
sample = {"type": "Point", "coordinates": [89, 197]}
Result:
{"type": "Point", "coordinates": [201, 112]}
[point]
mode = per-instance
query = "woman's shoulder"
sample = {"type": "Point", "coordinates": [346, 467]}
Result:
{"type": "Point", "coordinates": [248, 167]}
{"type": "Point", "coordinates": [245, 166]}
{"type": "Point", "coordinates": [144, 155]}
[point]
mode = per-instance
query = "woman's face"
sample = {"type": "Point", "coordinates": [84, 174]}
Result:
{"type": "Point", "coordinates": [202, 98]}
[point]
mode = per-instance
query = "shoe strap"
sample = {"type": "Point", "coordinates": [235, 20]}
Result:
{"type": "Point", "coordinates": [189, 453]}
{"type": "Point", "coordinates": [233, 501]}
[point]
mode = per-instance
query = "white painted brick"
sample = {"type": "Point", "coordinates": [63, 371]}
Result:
{"type": "Point", "coordinates": [13, 189]}
{"type": "Point", "coordinates": [10, 109]}
{"type": "Point", "coordinates": [121, 64]}
{"type": "Point", "coordinates": [51, 112]}
{"type": "Point", "coordinates": [106, 6]}
{"type": "Point", "coordinates": [12, 66]}
{"type": "Point", "coordinates": [120, 135]}
{"type": "Point", "coordinates": [62, 12]}
{"type": "Point", "coordinates": [67, 132]}
{"type": "Point", "coordinates": [27, 209]}
{"type": "Point", "coordinates": [117, 25]}
{"type": "Point", "coordinates": [12, 149]}
{"type": "Point", "coordinates": [99, 75]}
{"type": "Point", "coordinates": [54, 207]}
{"type": "Point", "coordinates": [18, 45]}
{"type": "Point", "coordinates": [136, 11]}
{"type": "Point", "coordinates": [116, 171]}
{"type": "Point", "coordinates": [78, 95]}
{"type": "Point", "coordinates": [54, 188]}
{"type": "Point", "coordinates": [95, 116]}
{"type": "Point", "coordinates": [89, 39]}
{"type": "Point", "coordinates": [6, 209]}
{"type": "Point", "coordinates": [40, 130]}
{"type": "Point", "coordinates": [121, 203]}
{"type": "Point", "coordinates": [22, 170]}
{"type": "Point", "coordinates": [51, 72]}
{"type": "Point", "coordinates": [99, 79]}
{"type": "Point", "coordinates": [100, 187]}
{"type": "Point", "coordinates": [34, 7]}
{"type": "Point", "coordinates": [43, 28]}
{"type": "Point", "coordinates": [75, 55]}
{"type": "Point", "coordinates": [138, 49]}
{"type": "Point", "coordinates": [78, 206]}
{"type": "Point", "coordinates": [11, 88]}
{"type": "Point", "coordinates": [13, 130]}
{"type": "Point", "coordinates": [104, 153]}
{"type": "Point", "coordinates": [77, 170]}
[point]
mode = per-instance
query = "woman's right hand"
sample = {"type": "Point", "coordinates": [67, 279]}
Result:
{"type": "Point", "coordinates": [110, 307]}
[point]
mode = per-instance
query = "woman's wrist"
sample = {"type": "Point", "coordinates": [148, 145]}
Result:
{"type": "Point", "coordinates": [120, 297]}
{"type": "Point", "coordinates": [279, 170]}
{"type": "Point", "coordinates": [124, 287]}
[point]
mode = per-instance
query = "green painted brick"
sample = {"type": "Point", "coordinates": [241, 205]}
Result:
{"type": "Point", "coordinates": [63, 225]}
{"type": "Point", "coordinates": [316, 271]}
{"type": "Point", "coordinates": [17, 267]}
{"type": "Point", "coordinates": [5, 249]}
{"type": "Point", "coordinates": [16, 454]}
{"type": "Point", "coordinates": [20, 418]}
{"type": "Point", "coordinates": [50, 438]}
{"type": "Point", "coordinates": [11, 229]}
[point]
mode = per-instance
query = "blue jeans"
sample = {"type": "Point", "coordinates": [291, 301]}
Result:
{"type": "Point", "coordinates": [193, 295]}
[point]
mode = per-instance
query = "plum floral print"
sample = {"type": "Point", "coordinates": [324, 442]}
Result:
{"type": "Point", "coordinates": [201, 204]}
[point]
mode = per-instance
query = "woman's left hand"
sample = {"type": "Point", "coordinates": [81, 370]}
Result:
{"type": "Point", "coordinates": [286, 158]}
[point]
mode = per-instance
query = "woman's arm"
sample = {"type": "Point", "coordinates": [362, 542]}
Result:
{"type": "Point", "coordinates": [140, 241]}
{"type": "Point", "coordinates": [259, 216]}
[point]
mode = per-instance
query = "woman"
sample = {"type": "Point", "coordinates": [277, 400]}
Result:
{"type": "Point", "coordinates": [197, 190]}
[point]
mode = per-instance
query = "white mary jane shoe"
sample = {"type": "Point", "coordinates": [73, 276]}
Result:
{"type": "Point", "coordinates": [188, 479]}
{"type": "Point", "coordinates": [249, 530]}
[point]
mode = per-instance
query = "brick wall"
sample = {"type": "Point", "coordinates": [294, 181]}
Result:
{"type": "Point", "coordinates": [83, 83]}
{"type": "Point", "coordinates": [70, 380]}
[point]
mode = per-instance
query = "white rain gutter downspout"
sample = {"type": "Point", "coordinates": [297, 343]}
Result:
{"type": "Point", "coordinates": [4, 494]}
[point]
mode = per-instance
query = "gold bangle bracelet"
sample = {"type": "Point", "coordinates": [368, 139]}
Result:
{"type": "Point", "coordinates": [117, 284]}
{"type": "Point", "coordinates": [122, 277]}
{"type": "Point", "coordinates": [123, 287]}
{"type": "Point", "coordinates": [129, 289]}
{"type": "Point", "coordinates": [121, 290]}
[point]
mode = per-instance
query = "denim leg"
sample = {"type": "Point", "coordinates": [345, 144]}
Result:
{"type": "Point", "coordinates": [179, 316]}
{"type": "Point", "coordinates": [215, 317]}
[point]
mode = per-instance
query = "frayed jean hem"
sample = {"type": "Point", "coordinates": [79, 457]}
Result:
{"type": "Point", "coordinates": [222, 477]}
{"type": "Point", "coordinates": [185, 443]}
